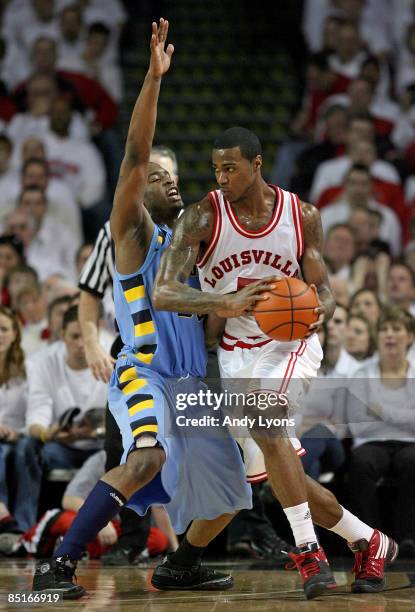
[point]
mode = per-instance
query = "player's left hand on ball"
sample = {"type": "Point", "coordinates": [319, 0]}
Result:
{"type": "Point", "coordinates": [314, 328]}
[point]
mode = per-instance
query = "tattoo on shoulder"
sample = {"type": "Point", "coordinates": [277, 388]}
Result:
{"type": "Point", "coordinates": [197, 221]}
{"type": "Point", "coordinates": [313, 231]}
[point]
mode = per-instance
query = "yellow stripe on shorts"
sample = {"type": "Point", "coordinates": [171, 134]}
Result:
{"type": "Point", "coordinates": [143, 329]}
{"type": "Point", "coordinates": [134, 385]}
{"type": "Point", "coordinates": [145, 357]}
{"type": "Point", "coordinates": [127, 375]}
{"type": "Point", "coordinates": [141, 406]}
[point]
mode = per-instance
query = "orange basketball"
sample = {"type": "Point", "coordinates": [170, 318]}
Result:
{"type": "Point", "coordinates": [289, 310]}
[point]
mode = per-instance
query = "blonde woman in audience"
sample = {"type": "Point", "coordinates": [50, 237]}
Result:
{"type": "Point", "coordinates": [12, 403]}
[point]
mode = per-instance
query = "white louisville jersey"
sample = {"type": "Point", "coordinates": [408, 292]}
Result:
{"type": "Point", "coordinates": [236, 256]}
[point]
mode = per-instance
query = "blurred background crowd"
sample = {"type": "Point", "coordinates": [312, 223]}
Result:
{"type": "Point", "coordinates": [329, 87]}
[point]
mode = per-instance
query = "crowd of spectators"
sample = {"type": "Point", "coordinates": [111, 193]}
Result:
{"type": "Point", "coordinates": [351, 152]}
{"type": "Point", "coordinates": [60, 91]}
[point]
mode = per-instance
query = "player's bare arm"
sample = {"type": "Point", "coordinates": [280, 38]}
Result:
{"type": "Point", "coordinates": [131, 224]}
{"type": "Point", "coordinates": [312, 264]}
{"type": "Point", "coordinates": [214, 328]}
{"type": "Point", "coordinates": [171, 292]}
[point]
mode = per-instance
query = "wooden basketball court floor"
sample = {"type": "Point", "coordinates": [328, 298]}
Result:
{"type": "Point", "coordinates": [126, 588]}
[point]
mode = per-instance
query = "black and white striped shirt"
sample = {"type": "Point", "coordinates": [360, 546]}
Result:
{"type": "Point", "coordinates": [98, 270]}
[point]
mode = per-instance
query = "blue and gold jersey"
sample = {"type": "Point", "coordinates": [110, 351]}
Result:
{"type": "Point", "coordinates": [168, 342]}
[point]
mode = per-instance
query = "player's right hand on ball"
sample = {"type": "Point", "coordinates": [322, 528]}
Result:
{"type": "Point", "coordinates": [243, 301]}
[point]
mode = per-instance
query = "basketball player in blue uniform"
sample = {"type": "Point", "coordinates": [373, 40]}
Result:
{"type": "Point", "coordinates": [195, 476]}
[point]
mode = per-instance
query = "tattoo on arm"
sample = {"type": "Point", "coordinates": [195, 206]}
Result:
{"type": "Point", "coordinates": [312, 264]}
{"type": "Point", "coordinates": [171, 292]}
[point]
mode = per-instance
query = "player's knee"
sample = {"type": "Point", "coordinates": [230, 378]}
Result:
{"type": "Point", "coordinates": [143, 464]}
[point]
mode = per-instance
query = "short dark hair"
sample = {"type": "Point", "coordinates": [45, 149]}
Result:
{"type": "Point", "coordinates": [357, 168]}
{"type": "Point", "coordinates": [70, 316]}
{"type": "Point", "coordinates": [15, 243]}
{"type": "Point", "coordinates": [98, 27]}
{"type": "Point", "coordinates": [401, 263]}
{"type": "Point", "coordinates": [361, 116]}
{"type": "Point", "coordinates": [336, 226]}
{"type": "Point", "coordinates": [62, 299]}
{"type": "Point", "coordinates": [247, 141]}
{"type": "Point", "coordinates": [363, 290]}
{"type": "Point", "coordinates": [395, 314]}
{"type": "Point", "coordinates": [335, 109]}
{"type": "Point", "coordinates": [169, 153]}
{"type": "Point", "coordinates": [24, 269]}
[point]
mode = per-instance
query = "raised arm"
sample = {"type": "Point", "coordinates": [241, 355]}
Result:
{"type": "Point", "coordinates": [171, 292]}
{"type": "Point", "coordinates": [129, 218]}
{"type": "Point", "coordinates": [312, 264]}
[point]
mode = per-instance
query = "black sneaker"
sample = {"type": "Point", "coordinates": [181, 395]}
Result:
{"type": "Point", "coordinates": [171, 577]}
{"type": "Point", "coordinates": [266, 544]}
{"type": "Point", "coordinates": [130, 555]}
{"type": "Point", "coordinates": [57, 575]}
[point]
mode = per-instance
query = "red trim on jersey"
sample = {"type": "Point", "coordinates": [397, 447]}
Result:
{"type": "Point", "coordinates": [301, 227]}
{"type": "Point", "coordinates": [296, 225]}
{"type": "Point", "coordinates": [263, 231]}
{"type": "Point", "coordinates": [233, 337]}
{"type": "Point", "coordinates": [229, 336]}
{"type": "Point", "coordinates": [217, 225]}
{"type": "Point", "coordinates": [301, 452]}
{"type": "Point", "coordinates": [242, 344]}
{"type": "Point", "coordinates": [290, 367]}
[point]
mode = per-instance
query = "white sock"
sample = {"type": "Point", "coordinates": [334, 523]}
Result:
{"type": "Point", "coordinates": [352, 528]}
{"type": "Point", "coordinates": [301, 524]}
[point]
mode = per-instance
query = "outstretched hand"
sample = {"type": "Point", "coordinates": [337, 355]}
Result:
{"type": "Point", "coordinates": [160, 57]}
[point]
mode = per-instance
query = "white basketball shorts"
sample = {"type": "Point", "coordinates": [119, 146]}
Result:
{"type": "Point", "coordinates": [278, 366]}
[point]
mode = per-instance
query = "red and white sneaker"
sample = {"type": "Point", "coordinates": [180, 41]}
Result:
{"type": "Point", "coordinates": [370, 561]}
{"type": "Point", "coordinates": [314, 569]}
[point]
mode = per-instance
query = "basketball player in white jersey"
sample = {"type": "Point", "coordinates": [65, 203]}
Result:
{"type": "Point", "coordinates": [245, 231]}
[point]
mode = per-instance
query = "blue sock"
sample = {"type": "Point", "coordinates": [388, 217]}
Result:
{"type": "Point", "coordinates": [102, 504]}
